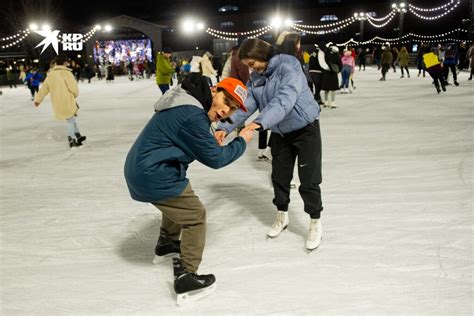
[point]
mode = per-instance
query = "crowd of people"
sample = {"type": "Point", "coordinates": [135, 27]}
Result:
{"type": "Point", "coordinates": [280, 83]}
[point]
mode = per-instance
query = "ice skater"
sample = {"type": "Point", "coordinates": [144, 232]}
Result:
{"type": "Point", "coordinates": [164, 69]}
{"type": "Point", "coordinates": [403, 60]}
{"type": "Point", "coordinates": [433, 67]}
{"type": "Point", "coordinates": [155, 169]}
{"type": "Point", "coordinates": [279, 90]}
{"type": "Point", "coordinates": [62, 87]}
{"type": "Point", "coordinates": [450, 61]}
{"type": "Point", "coordinates": [387, 60]}
{"type": "Point", "coordinates": [32, 80]}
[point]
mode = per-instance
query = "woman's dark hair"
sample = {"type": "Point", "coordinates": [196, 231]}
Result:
{"type": "Point", "coordinates": [289, 44]}
{"type": "Point", "coordinates": [256, 49]}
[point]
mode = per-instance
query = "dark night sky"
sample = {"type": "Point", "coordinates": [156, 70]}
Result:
{"type": "Point", "coordinates": [79, 16]}
{"type": "Point", "coordinates": [73, 14]}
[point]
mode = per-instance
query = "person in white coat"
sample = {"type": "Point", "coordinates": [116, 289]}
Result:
{"type": "Point", "coordinates": [63, 88]}
{"type": "Point", "coordinates": [206, 65]}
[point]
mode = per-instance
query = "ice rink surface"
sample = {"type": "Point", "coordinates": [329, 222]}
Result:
{"type": "Point", "coordinates": [397, 195]}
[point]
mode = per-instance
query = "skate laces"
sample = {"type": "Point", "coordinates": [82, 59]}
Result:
{"type": "Point", "coordinates": [279, 221]}
{"type": "Point", "coordinates": [313, 229]}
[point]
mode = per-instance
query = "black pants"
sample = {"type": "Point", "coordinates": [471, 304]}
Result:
{"type": "Point", "coordinates": [437, 74]}
{"type": "Point", "coordinates": [262, 139]}
{"type": "Point", "coordinates": [317, 80]}
{"type": "Point", "coordinates": [453, 70]}
{"type": "Point", "coordinates": [306, 145]}
{"type": "Point", "coordinates": [33, 90]}
{"type": "Point", "coordinates": [361, 63]}
{"type": "Point", "coordinates": [406, 68]}
{"type": "Point", "coordinates": [385, 68]}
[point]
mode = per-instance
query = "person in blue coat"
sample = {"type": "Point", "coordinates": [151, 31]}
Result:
{"type": "Point", "coordinates": [450, 62]}
{"type": "Point", "coordinates": [32, 80]}
{"type": "Point", "coordinates": [278, 89]}
{"type": "Point", "coordinates": [155, 168]}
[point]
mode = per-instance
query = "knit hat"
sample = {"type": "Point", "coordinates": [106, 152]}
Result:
{"type": "Point", "coordinates": [236, 89]}
{"type": "Point", "coordinates": [167, 50]}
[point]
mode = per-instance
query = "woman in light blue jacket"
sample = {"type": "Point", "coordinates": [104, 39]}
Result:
{"type": "Point", "coordinates": [278, 89]}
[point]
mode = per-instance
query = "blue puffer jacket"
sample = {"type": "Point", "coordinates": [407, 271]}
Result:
{"type": "Point", "coordinates": [33, 79]}
{"type": "Point", "coordinates": [282, 96]}
{"type": "Point", "coordinates": [179, 133]}
{"type": "Point", "coordinates": [450, 58]}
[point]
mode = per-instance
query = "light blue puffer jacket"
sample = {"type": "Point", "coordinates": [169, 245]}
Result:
{"type": "Point", "coordinates": [282, 96]}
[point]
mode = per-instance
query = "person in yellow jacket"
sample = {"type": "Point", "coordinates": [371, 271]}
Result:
{"type": "Point", "coordinates": [433, 67]}
{"type": "Point", "coordinates": [164, 69]}
{"type": "Point", "coordinates": [62, 87]}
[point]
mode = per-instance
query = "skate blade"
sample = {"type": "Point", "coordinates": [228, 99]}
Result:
{"type": "Point", "coordinates": [167, 257]}
{"type": "Point", "coordinates": [192, 296]}
{"type": "Point", "coordinates": [273, 237]}
{"type": "Point", "coordinates": [308, 250]}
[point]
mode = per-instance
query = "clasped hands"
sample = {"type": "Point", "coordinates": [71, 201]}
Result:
{"type": "Point", "coordinates": [246, 133]}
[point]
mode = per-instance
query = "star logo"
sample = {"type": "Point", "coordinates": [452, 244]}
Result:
{"type": "Point", "coordinates": [50, 38]}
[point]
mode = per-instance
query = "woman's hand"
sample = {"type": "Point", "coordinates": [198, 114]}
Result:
{"type": "Point", "coordinates": [251, 127]}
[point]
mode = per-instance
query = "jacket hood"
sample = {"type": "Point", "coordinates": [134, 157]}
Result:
{"type": "Point", "coordinates": [194, 90]}
{"type": "Point", "coordinates": [175, 97]}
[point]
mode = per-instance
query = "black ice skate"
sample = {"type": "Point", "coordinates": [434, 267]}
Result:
{"type": "Point", "coordinates": [73, 142]}
{"type": "Point", "coordinates": [80, 138]}
{"type": "Point", "coordinates": [166, 248]}
{"type": "Point", "coordinates": [191, 286]}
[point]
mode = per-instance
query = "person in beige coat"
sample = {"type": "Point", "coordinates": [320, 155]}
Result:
{"type": "Point", "coordinates": [62, 87]}
{"type": "Point", "coordinates": [403, 60]}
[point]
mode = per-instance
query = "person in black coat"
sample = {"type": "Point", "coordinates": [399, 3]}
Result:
{"type": "Point", "coordinates": [362, 57]}
{"type": "Point", "coordinates": [316, 70]}
{"type": "Point", "coordinates": [330, 80]}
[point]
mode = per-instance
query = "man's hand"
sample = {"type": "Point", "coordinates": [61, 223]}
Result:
{"type": "Point", "coordinates": [36, 104]}
{"type": "Point", "coordinates": [220, 136]}
{"type": "Point", "coordinates": [246, 134]}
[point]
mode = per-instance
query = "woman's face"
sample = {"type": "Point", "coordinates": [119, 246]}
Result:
{"type": "Point", "coordinates": [255, 65]}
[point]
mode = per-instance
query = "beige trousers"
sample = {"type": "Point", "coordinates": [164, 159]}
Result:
{"type": "Point", "coordinates": [186, 215]}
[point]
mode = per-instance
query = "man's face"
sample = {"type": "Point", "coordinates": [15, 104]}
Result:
{"type": "Point", "coordinates": [222, 106]}
{"type": "Point", "coordinates": [255, 65]}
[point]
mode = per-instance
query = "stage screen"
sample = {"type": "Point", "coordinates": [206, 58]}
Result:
{"type": "Point", "coordinates": [125, 50]}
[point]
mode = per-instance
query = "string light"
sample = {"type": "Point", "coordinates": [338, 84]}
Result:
{"type": "Point", "coordinates": [227, 35]}
{"type": "Point", "coordinates": [404, 39]}
{"type": "Point", "coordinates": [412, 10]}
{"type": "Point", "coordinates": [336, 29]}
{"type": "Point", "coordinates": [20, 36]}
{"type": "Point", "coordinates": [432, 9]}
{"type": "Point", "coordinates": [322, 26]}
{"type": "Point", "coordinates": [390, 17]}
{"type": "Point", "coordinates": [436, 36]}
{"type": "Point", "coordinates": [264, 29]}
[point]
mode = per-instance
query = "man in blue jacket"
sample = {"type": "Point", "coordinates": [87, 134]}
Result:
{"type": "Point", "coordinates": [155, 168]}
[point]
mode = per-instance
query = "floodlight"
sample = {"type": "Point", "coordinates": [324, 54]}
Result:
{"type": "Point", "coordinates": [276, 22]}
